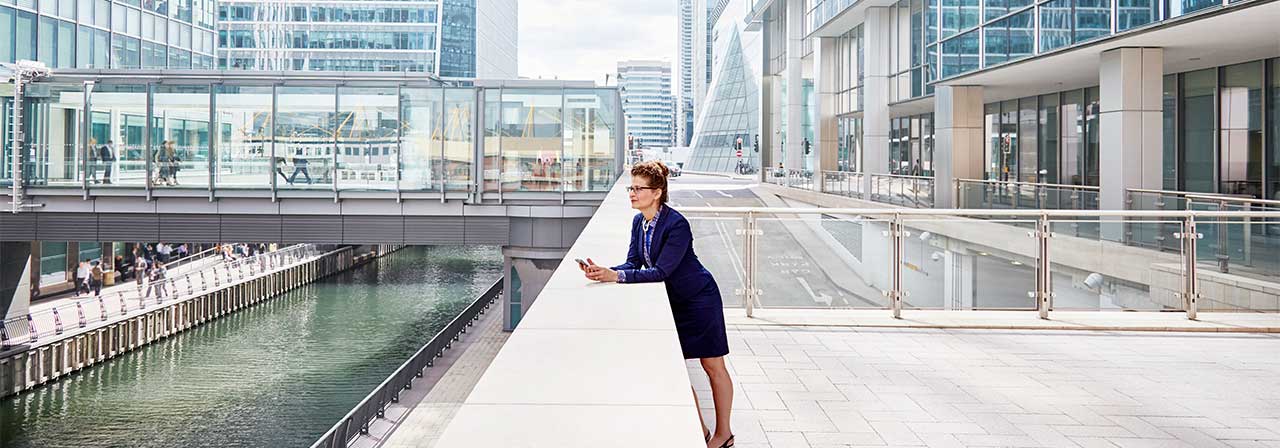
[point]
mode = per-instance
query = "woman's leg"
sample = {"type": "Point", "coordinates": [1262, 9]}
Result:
{"type": "Point", "coordinates": [722, 395]}
{"type": "Point", "coordinates": [705, 430]}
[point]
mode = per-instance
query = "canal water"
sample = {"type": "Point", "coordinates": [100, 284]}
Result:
{"type": "Point", "coordinates": [275, 375]}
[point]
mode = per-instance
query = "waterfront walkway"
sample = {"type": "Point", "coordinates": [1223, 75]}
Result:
{"type": "Point", "coordinates": [61, 318]}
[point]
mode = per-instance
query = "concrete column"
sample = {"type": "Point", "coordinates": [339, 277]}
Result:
{"type": "Point", "coordinates": [958, 140]}
{"type": "Point", "coordinates": [875, 105]}
{"type": "Point", "coordinates": [1131, 141]}
{"type": "Point", "coordinates": [826, 83]}
{"type": "Point", "coordinates": [527, 270]}
{"type": "Point", "coordinates": [794, 75]}
{"type": "Point", "coordinates": [15, 278]}
{"type": "Point", "coordinates": [959, 277]}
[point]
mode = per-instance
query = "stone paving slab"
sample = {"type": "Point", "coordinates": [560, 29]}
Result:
{"type": "Point", "coordinates": [1012, 320]}
{"type": "Point", "coordinates": [826, 386]}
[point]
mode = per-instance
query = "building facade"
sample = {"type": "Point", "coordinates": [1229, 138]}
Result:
{"type": "Point", "coordinates": [1117, 96]}
{"type": "Point", "coordinates": [684, 97]}
{"type": "Point", "coordinates": [647, 103]}
{"type": "Point", "coordinates": [102, 34]}
{"type": "Point", "coordinates": [450, 38]}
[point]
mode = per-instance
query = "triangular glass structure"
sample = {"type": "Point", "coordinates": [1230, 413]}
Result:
{"type": "Point", "coordinates": [731, 111]}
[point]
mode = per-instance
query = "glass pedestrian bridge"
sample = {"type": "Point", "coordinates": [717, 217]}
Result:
{"type": "Point", "coordinates": [295, 134]}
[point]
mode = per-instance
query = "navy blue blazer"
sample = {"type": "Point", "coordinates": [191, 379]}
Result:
{"type": "Point", "coordinates": [673, 261]}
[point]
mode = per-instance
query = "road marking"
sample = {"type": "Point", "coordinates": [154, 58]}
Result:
{"type": "Point", "coordinates": [699, 195]}
{"type": "Point", "coordinates": [823, 299]}
{"type": "Point", "coordinates": [727, 195]}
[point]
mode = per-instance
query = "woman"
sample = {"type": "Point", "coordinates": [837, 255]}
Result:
{"type": "Point", "coordinates": [662, 251]}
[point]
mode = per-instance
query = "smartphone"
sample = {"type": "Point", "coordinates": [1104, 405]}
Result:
{"type": "Point", "coordinates": [581, 263]}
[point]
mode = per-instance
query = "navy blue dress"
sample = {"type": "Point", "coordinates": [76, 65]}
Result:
{"type": "Point", "coordinates": [663, 252]}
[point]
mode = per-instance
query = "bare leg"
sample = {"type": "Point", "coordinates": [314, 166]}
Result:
{"type": "Point", "coordinates": [705, 430]}
{"type": "Point", "coordinates": [722, 395]}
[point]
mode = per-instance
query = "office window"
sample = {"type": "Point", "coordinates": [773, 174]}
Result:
{"type": "Point", "coordinates": [1135, 13]}
{"type": "Point", "coordinates": [66, 45]}
{"type": "Point", "coordinates": [1180, 7]}
{"type": "Point", "coordinates": [6, 29]}
{"type": "Point", "coordinates": [1240, 133]}
{"type": "Point", "coordinates": [1169, 115]}
{"type": "Point", "coordinates": [1093, 19]}
{"type": "Point", "coordinates": [1273, 138]}
{"type": "Point", "coordinates": [1198, 123]}
{"type": "Point", "coordinates": [45, 40]}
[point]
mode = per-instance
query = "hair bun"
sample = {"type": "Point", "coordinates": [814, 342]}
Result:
{"type": "Point", "coordinates": [662, 167]}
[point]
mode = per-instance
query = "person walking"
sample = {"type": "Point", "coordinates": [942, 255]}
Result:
{"type": "Point", "coordinates": [158, 283]}
{"type": "Point", "coordinates": [95, 279]}
{"type": "Point", "coordinates": [140, 269]}
{"type": "Point", "coordinates": [93, 161]}
{"type": "Point", "coordinates": [661, 250]}
{"type": "Point", "coordinates": [299, 167]}
{"type": "Point", "coordinates": [165, 250]}
{"type": "Point", "coordinates": [106, 156]}
{"type": "Point", "coordinates": [82, 277]}
{"type": "Point", "coordinates": [175, 162]}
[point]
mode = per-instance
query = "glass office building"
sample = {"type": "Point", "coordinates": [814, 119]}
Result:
{"type": "Point", "coordinates": [115, 34]}
{"type": "Point", "coordinates": [731, 114]}
{"type": "Point", "coordinates": [1120, 96]}
{"type": "Point", "coordinates": [432, 36]}
{"type": "Point", "coordinates": [647, 102]}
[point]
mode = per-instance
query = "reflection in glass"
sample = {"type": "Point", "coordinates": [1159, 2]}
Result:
{"type": "Point", "coordinates": [1240, 135]}
{"type": "Point", "coordinates": [367, 138]}
{"type": "Point", "coordinates": [1072, 137]}
{"type": "Point", "coordinates": [243, 137]}
{"type": "Point", "coordinates": [182, 115]}
{"type": "Point", "coordinates": [118, 122]}
{"type": "Point", "coordinates": [492, 139]}
{"type": "Point", "coordinates": [1197, 141]}
{"type": "Point", "coordinates": [1048, 124]}
{"type": "Point", "coordinates": [1273, 140]}
{"type": "Point", "coordinates": [960, 54]}
{"type": "Point", "coordinates": [421, 141]}
{"type": "Point", "coordinates": [305, 137]}
{"type": "Point", "coordinates": [531, 140]}
{"type": "Point", "coordinates": [1055, 24]}
{"type": "Point", "coordinates": [55, 145]}
{"type": "Point", "coordinates": [1135, 13]}
{"type": "Point", "coordinates": [1093, 19]}
{"type": "Point", "coordinates": [459, 107]}
{"type": "Point", "coordinates": [589, 138]}
{"type": "Point", "coordinates": [1028, 148]}
{"type": "Point", "coordinates": [1091, 131]}
{"type": "Point", "coordinates": [1169, 119]}
{"type": "Point", "coordinates": [1180, 7]}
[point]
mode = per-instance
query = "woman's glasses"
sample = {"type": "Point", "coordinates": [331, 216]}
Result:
{"type": "Point", "coordinates": [633, 188]}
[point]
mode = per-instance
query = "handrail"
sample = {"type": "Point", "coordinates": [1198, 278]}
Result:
{"type": "Point", "coordinates": [900, 176]}
{"type": "Point", "coordinates": [388, 392]}
{"type": "Point", "coordinates": [1209, 196]}
{"type": "Point", "coordinates": [986, 212]}
{"type": "Point", "coordinates": [1029, 184]}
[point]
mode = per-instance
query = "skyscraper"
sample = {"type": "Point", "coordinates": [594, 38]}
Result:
{"type": "Point", "coordinates": [647, 103]}
{"type": "Point", "coordinates": [450, 38]}
{"type": "Point", "coordinates": [685, 111]}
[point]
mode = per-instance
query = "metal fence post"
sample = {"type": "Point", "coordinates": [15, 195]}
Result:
{"type": "Point", "coordinates": [894, 293]}
{"type": "Point", "coordinates": [1044, 278]}
{"type": "Point", "coordinates": [750, 232]}
{"type": "Point", "coordinates": [1190, 280]}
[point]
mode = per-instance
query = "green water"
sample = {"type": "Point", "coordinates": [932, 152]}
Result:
{"type": "Point", "coordinates": [275, 375]}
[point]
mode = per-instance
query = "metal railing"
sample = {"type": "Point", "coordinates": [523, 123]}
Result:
{"type": "Point", "coordinates": [1243, 245]}
{"type": "Point", "coordinates": [388, 392]}
{"type": "Point", "coordinates": [843, 183]}
{"type": "Point", "coordinates": [901, 189]}
{"type": "Point", "coordinates": [967, 259]}
{"type": "Point", "coordinates": [995, 194]}
{"type": "Point", "coordinates": [802, 179]}
{"type": "Point", "coordinates": [97, 310]}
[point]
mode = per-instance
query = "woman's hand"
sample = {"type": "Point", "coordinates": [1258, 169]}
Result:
{"type": "Point", "coordinates": [599, 273]}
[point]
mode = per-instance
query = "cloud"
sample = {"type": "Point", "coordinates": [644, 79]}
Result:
{"type": "Point", "coordinates": [583, 39]}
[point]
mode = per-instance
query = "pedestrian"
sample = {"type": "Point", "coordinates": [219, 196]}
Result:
{"type": "Point", "coordinates": [118, 266]}
{"type": "Point", "coordinates": [158, 281]}
{"type": "Point", "coordinates": [139, 269]}
{"type": "Point", "coordinates": [299, 167]}
{"type": "Point", "coordinates": [165, 250]}
{"type": "Point", "coordinates": [93, 162]}
{"type": "Point", "coordinates": [82, 277]}
{"type": "Point", "coordinates": [95, 279]}
{"type": "Point", "coordinates": [183, 251]}
{"type": "Point", "coordinates": [149, 252]}
{"type": "Point", "coordinates": [106, 156]}
{"type": "Point", "coordinates": [175, 162]}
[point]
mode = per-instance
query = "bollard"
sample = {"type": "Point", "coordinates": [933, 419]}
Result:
{"type": "Point", "coordinates": [80, 314]}
{"type": "Point", "coordinates": [102, 306]}
{"type": "Point", "coordinates": [204, 285]}
{"type": "Point", "coordinates": [190, 288]}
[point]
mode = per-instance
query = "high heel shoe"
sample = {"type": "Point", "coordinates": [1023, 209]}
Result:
{"type": "Point", "coordinates": [728, 443]}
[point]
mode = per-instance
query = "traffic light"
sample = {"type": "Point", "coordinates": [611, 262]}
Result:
{"type": "Point", "coordinates": [756, 146]}
{"type": "Point", "coordinates": [806, 146]}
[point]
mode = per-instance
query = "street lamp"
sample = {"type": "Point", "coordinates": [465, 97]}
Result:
{"type": "Point", "coordinates": [19, 73]}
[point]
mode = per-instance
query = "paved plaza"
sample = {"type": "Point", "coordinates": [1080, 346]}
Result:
{"type": "Point", "coordinates": [847, 386]}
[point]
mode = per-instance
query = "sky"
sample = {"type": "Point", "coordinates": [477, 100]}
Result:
{"type": "Point", "coordinates": [584, 39]}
